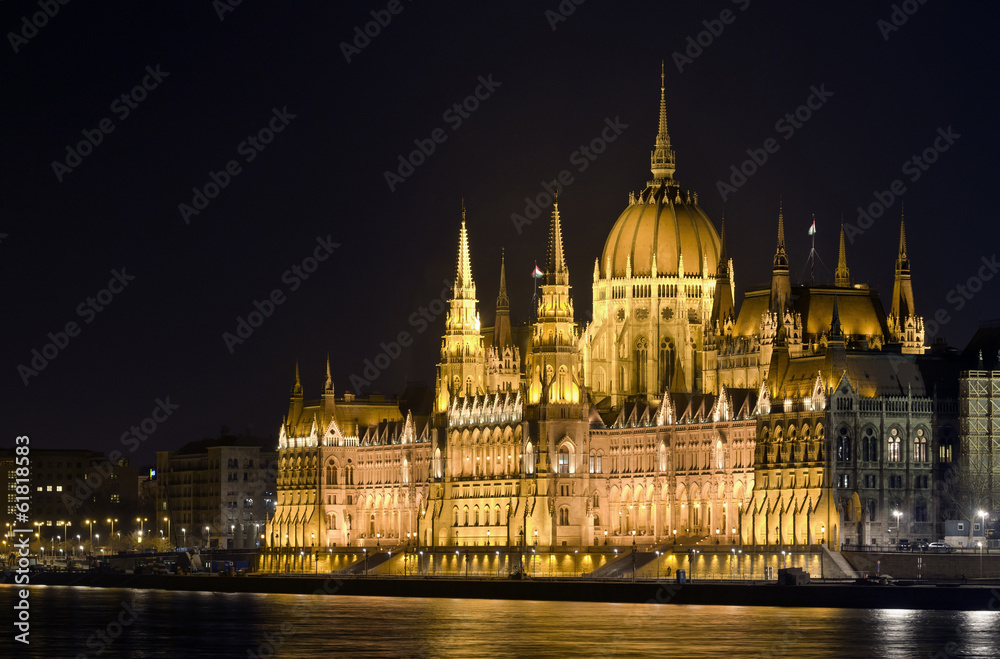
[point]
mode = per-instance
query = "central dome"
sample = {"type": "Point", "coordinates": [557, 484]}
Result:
{"type": "Point", "coordinates": [664, 221]}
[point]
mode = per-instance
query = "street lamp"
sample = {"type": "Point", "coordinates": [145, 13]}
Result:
{"type": "Point", "coordinates": [91, 523]}
{"type": "Point", "coordinates": [536, 537]}
{"type": "Point", "coordinates": [169, 537]}
{"type": "Point", "coordinates": [487, 538]}
{"type": "Point", "coordinates": [897, 514]}
{"type": "Point", "coordinates": [184, 535]}
{"type": "Point", "coordinates": [112, 522]}
{"type": "Point", "coordinates": [605, 537]}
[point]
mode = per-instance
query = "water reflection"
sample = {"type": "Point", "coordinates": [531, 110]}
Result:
{"type": "Point", "coordinates": [71, 622]}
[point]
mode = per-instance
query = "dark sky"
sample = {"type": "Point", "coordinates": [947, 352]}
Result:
{"type": "Point", "coordinates": [323, 176]}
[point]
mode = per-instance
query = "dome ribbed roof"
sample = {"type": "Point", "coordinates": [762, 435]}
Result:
{"type": "Point", "coordinates": [665, 221]}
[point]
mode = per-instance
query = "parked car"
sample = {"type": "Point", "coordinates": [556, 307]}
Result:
{"type": "Point", "coordinates": [939, 548]}
{"type": "Point", "coordinates": [903, 545]}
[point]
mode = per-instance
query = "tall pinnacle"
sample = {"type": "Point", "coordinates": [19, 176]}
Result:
{"type": "Point", "coordinates": [780, 258]}
{"type": "Point", "coordinates": [662, 162]}
{"type": "Point", "coordinates": [297, 387]}
{"type": "Point", "coordinates": [781, 286]}
{"type": "Point", "coordinates": [502, 300]}
{"type": "Point", "coordinates": [842, 277]}
{"type": "Point", "coordinates": [836, 332]}
{"type": "Point", "coordinates": [328, 385]}
{"type": "Point", "coordinates": [723, 258]}
{"type": "Point", "coordinates": [555, 265]}
{"type": "Point", "coordinates": [463, 276]}
{"type": "Point", "coordinates": [902, 236]}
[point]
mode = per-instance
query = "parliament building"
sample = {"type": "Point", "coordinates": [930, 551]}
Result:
{"type": "Point", "coordinates": [807, 416]}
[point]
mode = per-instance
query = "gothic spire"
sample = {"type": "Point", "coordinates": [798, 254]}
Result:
{"type": "Point", "coordinates": [503, 302]}
{"type": "Point", "coordinates": [722, 302]}
{"type": "Point", "coordinates": [842, 275]}
{"type": "Point", "coordinates": [902, 288]}
{"type": "Point", "coordinates": [781, 286]}
{"type": "Point", "coordinates": [463, 276]}
{"type": "Point", "coordinates": [723, 258]}
{"type": "Point", "coordinates": [662, 162]}
{"type": "Point", "coordinates": [328, 385]}
{"type": "Point", "coordinates": [297, 387]}
{"type": "Point", "coordinates": [835, 330]}
{"type": "Point", "coordinates": [555, 265]}
{"type": "Point", "coordinates": [780, 258]}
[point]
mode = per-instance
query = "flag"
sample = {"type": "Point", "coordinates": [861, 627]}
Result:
{"type": "Point", "coordinates": [812, 229]}
{"type": "Point", "coordinates": [536, 273]}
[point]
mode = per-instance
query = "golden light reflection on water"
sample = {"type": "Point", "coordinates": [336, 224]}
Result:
{"type": "Point", "coordinates": [173, 624]}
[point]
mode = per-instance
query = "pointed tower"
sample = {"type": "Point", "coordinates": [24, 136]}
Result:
{"type": "Point", "coordinates": [781, 286]}
{"type": "Point", "coordinates": [295, 403]}
{"type": "Point", "coordinates": [722, 304]}
{"type": "Point", "coordinates": [554, 363]}
{"type": "Point", "coordinates": [503, 358]}
{"type": "Point", "coordinates": [554, 368]}
{"type": "Point", "coordinates": [327, 400]}
{"type": "Point", "coordinates": [662, 161]}
{"type": "Point", "coordinates": [461, 371]}
{"type": "Point", "coordinates": [842, 277]}
{"type": "Point", "coordinates": [905, 326]}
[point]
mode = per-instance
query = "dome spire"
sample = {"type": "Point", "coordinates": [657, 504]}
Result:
{"type": "Point", "coordinates": [662, 162]}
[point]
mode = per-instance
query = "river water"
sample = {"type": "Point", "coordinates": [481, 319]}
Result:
{"type": "Point", "coordinates": [91, 622]}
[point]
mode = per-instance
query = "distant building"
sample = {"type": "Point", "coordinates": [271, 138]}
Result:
{"type": "Point", "coordinates": [216, 492]}
{"type": "Point", "coordinates": [69, 489]}
{"type": "Point", "coordinates": [977, 487]}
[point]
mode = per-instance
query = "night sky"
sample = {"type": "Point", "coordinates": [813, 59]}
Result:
{"type": "Point", "coordinates": [217, 75]}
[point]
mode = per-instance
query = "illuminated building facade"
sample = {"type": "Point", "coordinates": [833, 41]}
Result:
{"type": "Point", "coordinates": [673, 415]}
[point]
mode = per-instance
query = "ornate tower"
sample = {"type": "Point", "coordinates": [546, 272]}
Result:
{"type": "Point", "coordinates": [905, 326]}
{"type": "Point", "coordinates": [462, 368]}
{"type": "Point", "coordinates": [781, 286]}
{"type": "Point", "coordinates": [842, 277]}
{"type": "Point", "coordinates": [503, 358]}
{"type": "Point", "coordinates": [654, 289]}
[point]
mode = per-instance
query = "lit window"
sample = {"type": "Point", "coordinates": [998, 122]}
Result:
{"type": "Point", "coordinates": [564, 460]}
